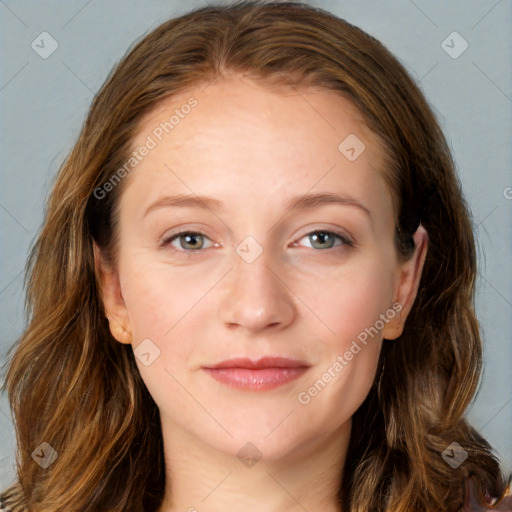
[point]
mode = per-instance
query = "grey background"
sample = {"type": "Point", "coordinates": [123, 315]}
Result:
{"type": "Point", "coordinates": [44, 102]}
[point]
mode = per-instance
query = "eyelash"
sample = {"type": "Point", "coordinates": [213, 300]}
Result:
{"type": "Point", "coordinates": [191, 253]}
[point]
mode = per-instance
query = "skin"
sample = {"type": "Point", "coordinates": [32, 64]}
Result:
{"type": "Point", "coordinates": [253, 148]}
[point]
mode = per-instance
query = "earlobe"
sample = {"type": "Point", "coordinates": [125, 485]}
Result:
{"type": "Point", "coordinates": [111, 296]}
{"type": "Point", "coordinates": [119, 332]}
{"type": "Point", "coordinates": [408, 282]}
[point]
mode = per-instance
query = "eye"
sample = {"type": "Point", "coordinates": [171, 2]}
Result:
{"type": "Point", "coordinates": [189, 241]}
{"type": "Point", "coordinates": [325, 240]}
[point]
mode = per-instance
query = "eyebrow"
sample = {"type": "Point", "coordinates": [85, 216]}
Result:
{"type": "Point", "coordinates": [301, 202]}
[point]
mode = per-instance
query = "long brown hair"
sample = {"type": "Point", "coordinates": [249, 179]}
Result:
{"type": "Point", "coordinates": [72, 385]}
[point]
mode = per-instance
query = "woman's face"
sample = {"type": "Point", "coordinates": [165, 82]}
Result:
{"type": "Point", "coordinates": [288, 253]}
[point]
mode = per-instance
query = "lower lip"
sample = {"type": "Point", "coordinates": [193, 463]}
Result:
{"type": "Point", "coordinates": [255, 380]}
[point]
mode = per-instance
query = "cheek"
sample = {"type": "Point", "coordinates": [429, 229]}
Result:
{"type": "Point", "coordinates": [355, 306]}
{"type": "Point", "coordinates": [147, 304]}
{"type": "Point", "coordinates": [350, 301]}
{"type": "Point", "coordinates": [156, 298]}
{"type": "Point", "coordinates": [158, 310]}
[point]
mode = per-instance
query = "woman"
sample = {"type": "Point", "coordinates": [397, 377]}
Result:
{"type": "Point", "coordinates": [192, 343]}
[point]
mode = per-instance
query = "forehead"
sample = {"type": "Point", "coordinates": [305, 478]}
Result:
{"type": "Point", "coordinates": [243, 106]}
{"type": "Point", "coordinates": [243, 138]}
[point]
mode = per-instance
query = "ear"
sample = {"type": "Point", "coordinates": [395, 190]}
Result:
{"type": "Point", "coordinates": [409, 275]}
{"type": "Point", "coordinates": [112, 298]}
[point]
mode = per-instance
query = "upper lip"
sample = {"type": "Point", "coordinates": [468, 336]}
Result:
{"type": "Point", "coordinates": [264, 362]}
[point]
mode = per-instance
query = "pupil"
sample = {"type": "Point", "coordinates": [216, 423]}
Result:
{"type": "Point", "coordinates": [322, 235]}
{"type": "Point", "coordinates": [191, 237]}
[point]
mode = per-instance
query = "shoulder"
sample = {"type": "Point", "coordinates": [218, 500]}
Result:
{"type": "Point", "coordinates": [475, 501]}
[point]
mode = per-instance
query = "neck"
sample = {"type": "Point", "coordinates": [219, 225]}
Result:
{"type": "Point", "coordinates": [200, 477]}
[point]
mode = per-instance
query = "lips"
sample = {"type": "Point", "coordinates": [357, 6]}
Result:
{"type": "Point", "coordinates": [263, 374]}
{"type": "Point", "coordinates": [265, 362]}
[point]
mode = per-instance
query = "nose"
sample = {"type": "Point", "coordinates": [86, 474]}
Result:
{"type": "Point", "coordinates": [256, 296]}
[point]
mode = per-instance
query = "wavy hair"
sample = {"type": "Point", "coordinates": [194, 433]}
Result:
{"type": "Point", "coordinates": [72, 385]}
